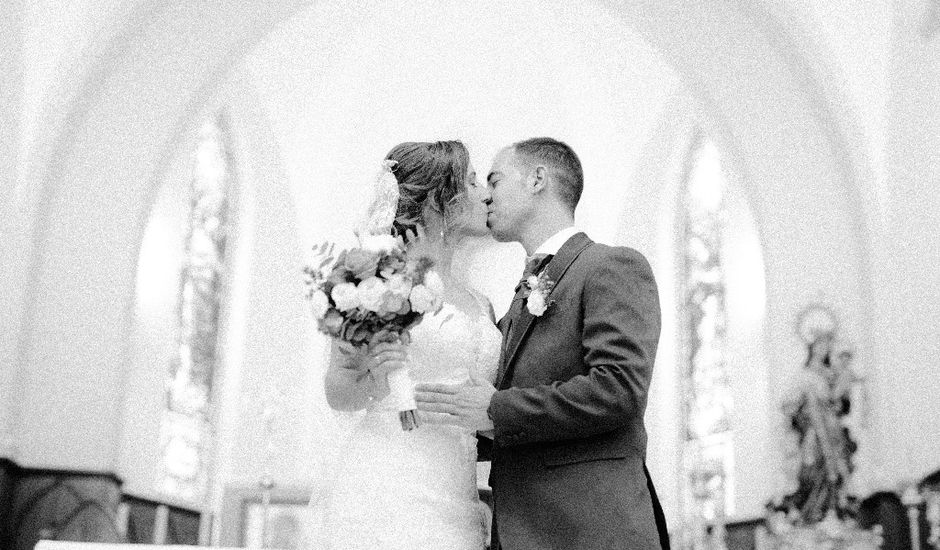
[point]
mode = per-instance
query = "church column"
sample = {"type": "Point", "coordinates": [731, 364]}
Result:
{"type": "Point", "coordinates": [11, 83]}
{"type": "Point", "coordinates": [34, 503]}
{"type": "Point", "coordinates": [909, 252]}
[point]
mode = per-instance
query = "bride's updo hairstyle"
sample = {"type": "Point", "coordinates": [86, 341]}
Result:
{"type": "Point", "coordinates": [430, 176]}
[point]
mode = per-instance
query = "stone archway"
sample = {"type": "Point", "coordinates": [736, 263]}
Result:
{"type": "Point", "coordinates": [100, 179]}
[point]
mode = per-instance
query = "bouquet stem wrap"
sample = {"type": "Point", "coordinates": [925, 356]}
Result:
{"type": "Point", "coordinates": [401, 398]}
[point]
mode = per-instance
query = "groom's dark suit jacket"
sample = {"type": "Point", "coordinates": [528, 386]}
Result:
{"type": "Point", "coordinates": [569, 446]}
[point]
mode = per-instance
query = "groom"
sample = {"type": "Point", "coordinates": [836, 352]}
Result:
{"type": "Point", "coordinates": [565, 418]}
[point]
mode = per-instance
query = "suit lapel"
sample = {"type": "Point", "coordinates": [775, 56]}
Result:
{"type": "Point", "coordinates": [505, 326]}
{"type": "Point", "coordinates": [519, 327]}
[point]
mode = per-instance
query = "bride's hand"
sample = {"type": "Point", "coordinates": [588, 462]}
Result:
{"type": "Point", "coordinates": [383, 358]}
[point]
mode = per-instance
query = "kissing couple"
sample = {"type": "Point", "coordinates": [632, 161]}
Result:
{"type": "Point", "coordinates": [553, 393]}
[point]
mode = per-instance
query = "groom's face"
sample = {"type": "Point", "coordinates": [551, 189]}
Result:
{"type": "Point", "coordinates": [508, 202]}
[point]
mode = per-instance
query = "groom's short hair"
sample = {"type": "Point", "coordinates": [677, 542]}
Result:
{"type": "Point", "coordinates": [561, 160]}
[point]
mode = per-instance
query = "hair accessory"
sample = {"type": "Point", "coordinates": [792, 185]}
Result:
{"type": "Point", "coordinates": [381, 211]}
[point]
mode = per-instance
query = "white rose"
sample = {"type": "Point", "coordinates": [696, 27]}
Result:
{"type": "Point", "coordinates": [399, 285]}
{"type": "Point", "coordinates": [345, 296]}
{"type": "Point", "coordinates": [536, 304]}
{"type": "Point", "coordinates": [371, 293]}
{"type": "Point", "coordinates": [532, 281]}
{"type": "Point", "coordinates": [434, 283]}
{"type": "Point", "coordinates": [319, 304]}
{"type": "Point", "coordinates": [422, 299]}
{"type": "Point", "coordinates": [379, 244]}
{"type": "Point", "coordinates": [392, 303]}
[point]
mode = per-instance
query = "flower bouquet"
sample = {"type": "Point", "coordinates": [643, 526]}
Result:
{"type": "Point", "coordinates": [374, 293]}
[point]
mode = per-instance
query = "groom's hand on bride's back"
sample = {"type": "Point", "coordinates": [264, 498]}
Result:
{"type": "Point", "coordinates": [462, 405]}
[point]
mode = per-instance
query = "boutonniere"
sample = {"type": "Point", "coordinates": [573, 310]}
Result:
{"type": "Point", "coordinates": [538, 288]}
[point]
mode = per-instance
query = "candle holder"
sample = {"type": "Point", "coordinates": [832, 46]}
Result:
{"type": "Point", "coordinates": [914, 498]}
{"type": "Point", "coordinates": [271, 406]}
{"type": "Point", "coordinates": [267, 485]}
{"type": "Point", "coordinates": [933, 518]}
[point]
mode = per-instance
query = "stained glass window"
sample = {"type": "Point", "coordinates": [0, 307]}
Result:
{"type": "Point", "coordinates": [707, 433]}
{"type": "Point", "coordinates": [186, 436]}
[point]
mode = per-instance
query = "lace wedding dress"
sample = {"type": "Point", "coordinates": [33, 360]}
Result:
{"type": "Point", "coordinates": [415, 490]}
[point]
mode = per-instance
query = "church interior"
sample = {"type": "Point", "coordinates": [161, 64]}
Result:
{"type": "Point", "coordinates": [167, 166]}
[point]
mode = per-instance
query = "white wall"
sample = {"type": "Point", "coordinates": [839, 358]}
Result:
{"type": "Point", "coordinates": [802, 179]}
{"type": "Point", "coordinates": [44, 54]}
{"type": "Point", "coordinates": [755, 410]}
{"type": "Point", "coordinates": [279, 349]}
{"type": "Point", "coordinates": [333, 128]}
{"type": "Point", "coordinates": [844, 46]}
{"type": "Point", "coordinates": [309, 77]}
{"type": "Point", "coordinates": [156, 328]}
{"type": "Point", "coordinates": [907, 381]}
{"type": "Point", "coordinates": [660, 171]}
{"type": "Point", "coordinates": [57, 36]}
{"type": "Point", "coordinates": [11, 77]}
{"type": "Point", "coordinates": [47, 48]}
{"type": "Point", "coordinates": [653, 219]}
{"type": "Point", "coordinates": [82, 238]}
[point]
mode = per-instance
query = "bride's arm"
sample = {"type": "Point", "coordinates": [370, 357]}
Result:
{"type": "Point", "coordinates": [347, 384]}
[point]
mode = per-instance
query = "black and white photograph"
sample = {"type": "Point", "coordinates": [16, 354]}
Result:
{"type": "Point", "coordinates": [470, 275]}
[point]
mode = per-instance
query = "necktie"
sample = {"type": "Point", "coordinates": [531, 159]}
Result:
{"type": "Point", "coordinates": [533, 266]}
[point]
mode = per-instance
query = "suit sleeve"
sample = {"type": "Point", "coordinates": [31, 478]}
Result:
{"type": "Point", "coordinates": [619, 338]}
{"type": "Point", "coordinates": [484, 449]}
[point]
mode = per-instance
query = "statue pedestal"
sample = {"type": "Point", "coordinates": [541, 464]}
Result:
{"type": "Point", "coordinates": [829, 534]}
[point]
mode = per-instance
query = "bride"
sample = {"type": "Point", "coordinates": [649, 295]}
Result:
{"type": "Point", "coordinates": [417, 490]}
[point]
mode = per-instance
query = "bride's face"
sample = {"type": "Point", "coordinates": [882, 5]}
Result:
{"type": "Point", "coordinates": [471, 219]}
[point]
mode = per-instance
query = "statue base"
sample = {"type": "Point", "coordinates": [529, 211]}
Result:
{"type": "Point", "coordinates": [831, 533]}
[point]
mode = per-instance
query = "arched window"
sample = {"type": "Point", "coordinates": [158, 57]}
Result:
{"type": "Point", "coordinates": [186, 432]}
{"type": "Point", "coordinates": [707, 445]}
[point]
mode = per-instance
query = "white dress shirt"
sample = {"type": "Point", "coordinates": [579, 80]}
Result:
{"type": "Point", "coordinates": [555, 242]}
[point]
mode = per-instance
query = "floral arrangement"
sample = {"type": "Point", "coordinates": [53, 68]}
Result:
{"type": "Point", "coordinates": [374, 293]}
{"type": "Point", "coordinates": [538, 287]}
